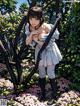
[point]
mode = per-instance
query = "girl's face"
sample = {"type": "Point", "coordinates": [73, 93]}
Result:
{"type": "Point", "coordinates": [34, 22]}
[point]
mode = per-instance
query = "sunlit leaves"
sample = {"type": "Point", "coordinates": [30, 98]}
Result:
{"type": "Point", "coordinates": [71, 31]}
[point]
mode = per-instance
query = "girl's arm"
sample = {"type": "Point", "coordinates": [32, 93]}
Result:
{"type": "Point", "coordinates": [30, 37]}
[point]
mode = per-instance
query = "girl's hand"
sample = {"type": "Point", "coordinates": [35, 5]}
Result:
{"type": "Point", "coordinates": [31, 37]}
{"type": "Point", "coordinates": [35, 38]}
{"type": "Point", "coordinates": [34, 32]}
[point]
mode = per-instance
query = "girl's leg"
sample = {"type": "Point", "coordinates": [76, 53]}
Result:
{"type": "Point", "coordinates": [51, 71]}
{"type": "Point", "coordinates": [42, 72]}
{"type": "Point", "coordinates": [53, 83]}
{"type": "Point", "coordinates": [42, 81]}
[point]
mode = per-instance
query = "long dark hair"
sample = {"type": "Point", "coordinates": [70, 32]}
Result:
{"type": "Point", "coordinates": [35, 12]}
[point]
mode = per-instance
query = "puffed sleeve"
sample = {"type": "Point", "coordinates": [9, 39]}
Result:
{"type": "Point", "coordinates": [55, 34]}
{"type": "Point", "coordinates": [54, 37]}
{"type": "Point", "coordinates": [27, 32]}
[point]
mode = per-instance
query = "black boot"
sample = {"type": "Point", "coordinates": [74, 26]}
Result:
{"type": "Point", "coordinates": [53, 84]}
{"type": "Point", "coordinates": [42, 82]}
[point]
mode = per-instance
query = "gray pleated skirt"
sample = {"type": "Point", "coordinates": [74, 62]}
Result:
{"type": "Point", "coordinates": [50, 56]}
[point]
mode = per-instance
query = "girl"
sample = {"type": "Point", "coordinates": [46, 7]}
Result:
{"type": "Point", "coordinates": [37, 31]}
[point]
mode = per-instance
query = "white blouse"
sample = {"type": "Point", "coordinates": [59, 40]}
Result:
{"type": "Point", "coordinates": [51, 55]}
